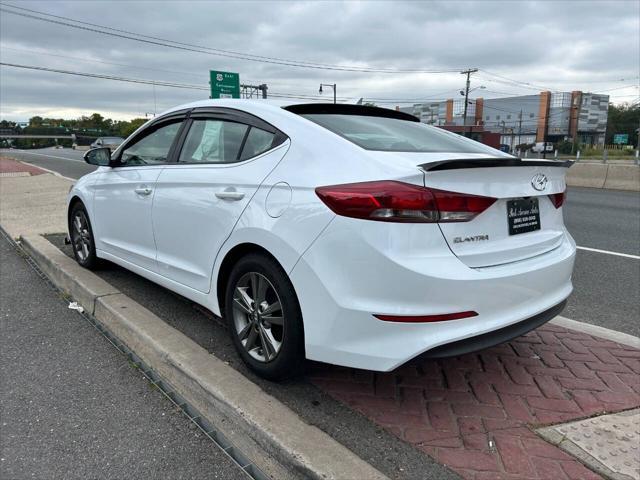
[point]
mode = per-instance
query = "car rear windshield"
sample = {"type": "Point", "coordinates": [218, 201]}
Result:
{"type": "Point", "coordinates": [395, 135]}
{"type": "Point", "coordinates": [113, 140]}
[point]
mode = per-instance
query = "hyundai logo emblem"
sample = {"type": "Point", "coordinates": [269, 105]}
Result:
{"type": "Point", "coordinates": [539, 181]}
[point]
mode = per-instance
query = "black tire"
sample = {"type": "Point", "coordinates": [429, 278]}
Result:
{"type": "Point", "coordinates": [289, 359]}
{"type": "Point", "coordinates": [82, 242]}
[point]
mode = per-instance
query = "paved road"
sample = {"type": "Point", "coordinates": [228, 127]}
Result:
{"type": "Point", "coordinates": [70, 404]}
{"type": "Point", "coordinates": [607, 287]}
{"type": "Point", "coordinates": [604, 219]}
{"type": "Point", "coordinates": [66, 162]}
{"type": "Point", "coordinates": [384, 451]}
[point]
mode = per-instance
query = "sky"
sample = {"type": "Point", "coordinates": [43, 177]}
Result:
{"type": "Point", "coordinates": [402, 52]}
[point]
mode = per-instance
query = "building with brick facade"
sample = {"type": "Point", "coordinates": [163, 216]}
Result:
{"type": "Point", "coordinates": [526, 118]}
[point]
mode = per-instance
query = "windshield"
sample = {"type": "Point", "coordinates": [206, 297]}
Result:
{"type": "Point", "coordinates": [395, 135]}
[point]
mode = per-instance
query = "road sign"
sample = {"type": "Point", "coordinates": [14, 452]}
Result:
{"type": "Point", "coordinates": [621, 138]}
{"type": "Point", "coordinates": [224, 84]}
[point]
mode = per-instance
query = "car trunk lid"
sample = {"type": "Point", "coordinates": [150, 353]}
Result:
{"type": "Point", "coordinates": [523, 190]}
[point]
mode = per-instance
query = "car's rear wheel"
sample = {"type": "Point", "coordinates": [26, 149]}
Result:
{"type": "Point", "coordinates": [264, 318]}
{"type": "Point", "coordinates": [81, 236]}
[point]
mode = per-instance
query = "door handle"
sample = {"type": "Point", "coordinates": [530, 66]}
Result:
{"type": "Point", "coordinates": [230, 194]}
{"type": "Point", "coordinates": [143, 191]}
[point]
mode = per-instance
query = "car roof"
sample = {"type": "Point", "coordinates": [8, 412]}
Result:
{"type": "Point", "coordinates": [238, 103]}
{"type": "Point", "coordinates": [277, 105]}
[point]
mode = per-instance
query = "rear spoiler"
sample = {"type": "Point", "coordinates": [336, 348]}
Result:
{"type": "Point", "coordinates": [492, 162]}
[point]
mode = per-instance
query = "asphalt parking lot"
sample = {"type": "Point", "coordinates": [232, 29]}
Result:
{"type": "Point", "coordinates": [371, 413]}
{"type": "Point", "coordinates": [70, 404]}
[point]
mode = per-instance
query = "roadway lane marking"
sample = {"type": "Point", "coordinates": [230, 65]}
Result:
{"type": "Point", "coordinates": [597, 250]}
{"type": "Point", "coordinates": [57, 174]}
{"type": "Point", "coordinates": [52, 156]}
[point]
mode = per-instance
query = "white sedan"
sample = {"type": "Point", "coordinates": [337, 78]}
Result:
{"type": "Point", "coordinates": [345, 234]}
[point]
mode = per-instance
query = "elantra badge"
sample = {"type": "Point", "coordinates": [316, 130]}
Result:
{"type": "Point", "coordinates": [475, 238]}
{"type": "Point", "coordinates": [539, 181]}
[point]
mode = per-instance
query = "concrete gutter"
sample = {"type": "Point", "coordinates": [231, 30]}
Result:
{"type": "Point", "coordinates": [274, 437]}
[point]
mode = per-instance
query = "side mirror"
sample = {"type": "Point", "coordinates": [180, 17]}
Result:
{"type": "Point", "coordinates": [98, 156]}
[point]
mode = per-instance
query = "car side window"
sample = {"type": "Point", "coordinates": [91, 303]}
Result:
{"type": "Point", "coordinates": [258, 141]}
{"type": "Point", "coordinates": [152, 149]}
{"type": "Point", "coordinates": [213, 141]}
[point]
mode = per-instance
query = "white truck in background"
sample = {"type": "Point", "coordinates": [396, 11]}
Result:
{"type": "Point", "coordinates": [540, 147]}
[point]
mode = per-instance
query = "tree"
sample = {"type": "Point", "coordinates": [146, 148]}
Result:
{"type": "Point", "coordinates": [623, 118]}
{"type": "Point", "coordinates": [35, 121]}
{"type": "Point", "coordinates": [124, 129]}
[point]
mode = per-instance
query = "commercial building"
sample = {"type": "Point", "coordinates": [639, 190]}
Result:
{"type": "Point", "coordinates": [525, 119]}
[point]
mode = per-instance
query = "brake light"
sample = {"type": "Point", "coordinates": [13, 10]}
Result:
{"type": "Point", "coordinates": [558, 198]}
{"type": "Point", "coordinates": [427, 318]}
{"type": "Point", "coordinates": [392, 201]}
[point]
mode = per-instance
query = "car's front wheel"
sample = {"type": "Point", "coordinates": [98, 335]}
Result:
{"type": "Point", "coordinates": [81, 236]}
{"type": "Point", "coordinates": [264, 317]}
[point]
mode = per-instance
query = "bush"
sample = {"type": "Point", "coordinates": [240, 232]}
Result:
{"type": "Point", "coordinates": [565, 147]}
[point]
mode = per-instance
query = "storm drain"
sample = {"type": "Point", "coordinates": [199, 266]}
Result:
{"type": "Point", "coordinates": [216, 436]}
{"type": "Point", "coordinates": [608, 444]}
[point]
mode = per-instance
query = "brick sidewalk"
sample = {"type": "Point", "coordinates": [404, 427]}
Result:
{"type": "Point", "coordinates": [475, 413]}
{"type": "Point", "coordinates": [9, 165]}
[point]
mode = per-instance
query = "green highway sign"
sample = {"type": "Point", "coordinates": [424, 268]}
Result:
{"type": "Point", "coordinates": [224, 84]}
{"type": "Point", "coordinates": [621, 138]}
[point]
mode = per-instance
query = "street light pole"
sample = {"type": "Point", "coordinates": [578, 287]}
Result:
{"type": "Point", "coordinates": [519, 126]}
{"type": "Point", "coordinates": [332, 85]}
{"type": "Point", "coordinates": [466, 98]}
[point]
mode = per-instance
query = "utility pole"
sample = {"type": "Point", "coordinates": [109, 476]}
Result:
{"type": "Point", "coordinates": [546, 131]}
{"type": "Point", "coordinates": [466, 98]}
{"type": "Point", "coordinates": [519, 126]}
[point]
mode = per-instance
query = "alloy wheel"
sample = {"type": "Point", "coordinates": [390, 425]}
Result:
{"type": "Point", "coordinates": [258, 316]}
{"type": "Point", "coordinates": [80, 236]}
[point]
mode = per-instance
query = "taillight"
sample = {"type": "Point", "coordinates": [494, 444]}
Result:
{"type": "Point", "coordinates": [460, 207]}
{"type": "Point", "coordinates": [558, 198]}
{"type": "Point", "coordinates": [392, 201]}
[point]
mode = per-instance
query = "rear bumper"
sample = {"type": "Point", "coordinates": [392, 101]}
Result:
{"type": "Point", "coordinates": [496, 337]}
{"type": "Point", "coordinates": [358, 268]}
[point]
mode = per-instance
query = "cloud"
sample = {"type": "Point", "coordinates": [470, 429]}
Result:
{"type": "Point", "coordinates": [560, 45]}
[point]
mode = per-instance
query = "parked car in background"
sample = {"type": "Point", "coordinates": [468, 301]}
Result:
{"type": "Point", "coordinates": [109, 142]}
{"type": "Point", "coordinates": [346, 234]}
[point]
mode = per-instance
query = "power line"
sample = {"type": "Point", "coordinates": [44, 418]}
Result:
{"type": "Point", "coordinates": [526, 84]}
{"type": "Point", "coordinates": [107, 77]}
{"type": "Point", "coordinates": [158, 83]}
{"type": "Point", "coordinates": [105, 30]}
{"type": "Point", "coordinates": [91, 60]}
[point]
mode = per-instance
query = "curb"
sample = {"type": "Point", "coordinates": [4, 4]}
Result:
{"type": "Point", "coordinates": [596, 331]}
{"type": "Point", "coordinates": [270, 434]}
